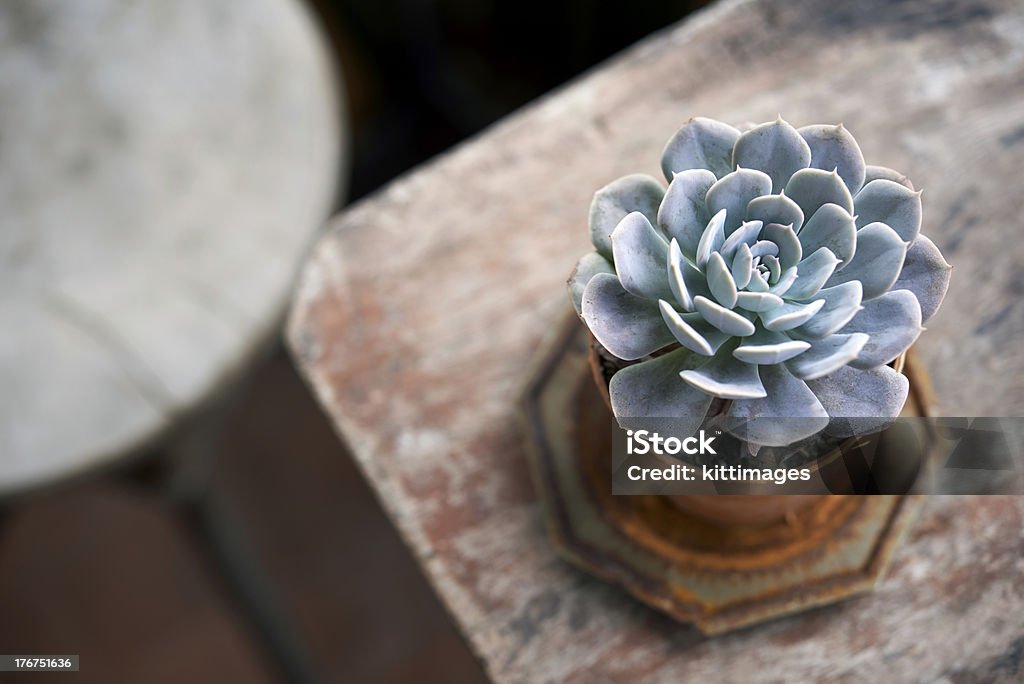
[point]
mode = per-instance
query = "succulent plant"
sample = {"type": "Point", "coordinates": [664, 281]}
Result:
{"type": "Point", "coordinates": [777, 271]}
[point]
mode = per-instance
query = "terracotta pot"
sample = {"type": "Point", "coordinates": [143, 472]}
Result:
{"type": "Point", "coordinates": [752, 510]}
{"type": "Point", "coordinates": [742, 509]}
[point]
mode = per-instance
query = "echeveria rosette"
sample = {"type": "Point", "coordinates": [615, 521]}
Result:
{"type": "Point", "coordinates": [777, 271]}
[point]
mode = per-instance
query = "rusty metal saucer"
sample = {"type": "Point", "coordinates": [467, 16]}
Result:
{"type": "Point", "coordinates": [719, 578]}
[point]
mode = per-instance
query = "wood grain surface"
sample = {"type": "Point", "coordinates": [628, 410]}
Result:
{"type": "Point", "coordinates": [163, 171]}
{"type": "Point", "coordinates": [418, 316]}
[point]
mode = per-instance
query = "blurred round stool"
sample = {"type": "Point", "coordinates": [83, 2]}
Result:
{"type": "Point", "coordinates": [164, 167]}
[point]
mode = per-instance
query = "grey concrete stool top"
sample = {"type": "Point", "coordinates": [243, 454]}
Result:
{"type": "Point", "coordinates": [163, 168]}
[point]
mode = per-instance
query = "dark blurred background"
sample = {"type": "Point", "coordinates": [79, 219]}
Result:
{"type": "Point", "coordinates": [423, 75]}
{"type": "Point", "coordinates": [105, 569]}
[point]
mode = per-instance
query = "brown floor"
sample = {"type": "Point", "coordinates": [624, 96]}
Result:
{"type": "Point", "coordinates": [109, 571]}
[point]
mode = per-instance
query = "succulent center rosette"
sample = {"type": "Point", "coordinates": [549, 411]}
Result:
{"type": "Point", "coordinates": [778, 271]}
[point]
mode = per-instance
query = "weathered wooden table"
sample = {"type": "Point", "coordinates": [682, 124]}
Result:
{"type": "Point", "coordinates": [163, 170]}
{"type": "Point", "coordinates": [419, 314]}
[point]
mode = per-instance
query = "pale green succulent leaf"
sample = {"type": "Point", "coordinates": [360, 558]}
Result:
{"type": "Point", "coordinates": [790, 315]}
{"type": "Point", "coordinates": [700, 144]}
{"type": "Point", "coordinates": [742, 265]}
{"type": "Point", "coordinates": [789, 413]}
{"type": "Point", "coordinates": [790, 250]}
{"type": "Point", "coordinates": [712, 238]}
{"type": "Point", "coordinates": [676, 278]}
{"type": "Point", "coordinates": [692, 331]}
{"type": "Point", "coordinates": [628, 326]}
{"type": "Point", "coordinates": [775, 209]}
{"type": "Point", "coordinates": [724, 377]}
{"type": "Point", "coordinates": [813, 188]}
{"type": "Point", "coordinates": [827, 355]}
{"type": "Point", "coordinates": [763, 248]}
{"type": "Point", "coordinates": [586, 268]}
{"type": "Point", "coordinates": [683, 214]}
{"type": "Point", "coordinates": [757, 283]}
{"type": "Point", "coordinates": [832, 227]}
{"type": "Point", "coordinates": [685, 280]}
{"type": "Point", "coordinates": [611, 203]}
{"type": "Point", "coordinates": [888, 202]}
{"type": "Point", "coordinates": [926, 274]}
{"type": "Point", "coordinates": [746, 234]}
{"type": "Point", "coordinates": [812, 273]}
{"type": "Point", "coordinates": [877, 262]}
{"type": "Point", "coordinates": [861, 401]}
{"type": "Point", "coordinates": [683, 331]}
{"type": "Point", "coordinates": [785, 281]}
{"type": "Point", "coordinates": [733, 193]}
{"type": "Point", "coordinates": [720, 281]}
{"type": "Point", "coordinates": [774, 267]}
{"type": "Point", "coordinates": [726, 320]}
{"type": "Point", "coordinates": [766, 347]}
{"type": "Point", "coordinates": [758, 301]}
{"type": "Point", "coordinates": [842, 303]}
{"type": "Point", "coordinates": [892, 321]}
{"type": "Point", "coordinates": [640, 254]}
{"type": "Point", "coordinates": [652, 389]}
{"type": "Point", "coordinates": [833, 147]}
{"type": "Point", "coordinates": [885, 173]}
{"type": "Point", "coordinates": [776, 148]}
